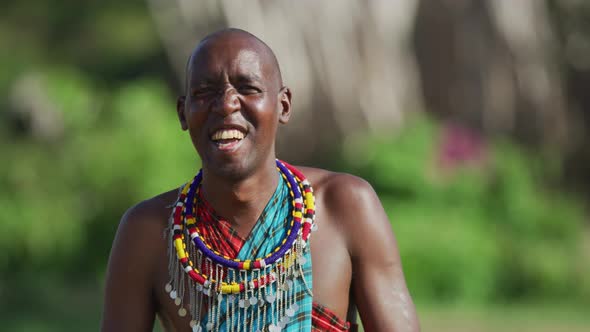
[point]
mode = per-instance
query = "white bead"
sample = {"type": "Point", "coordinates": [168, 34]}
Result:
{"type": "Point", "coordinates": [173, 294]}
{"type": "Point", "coordinates": [168, 288]}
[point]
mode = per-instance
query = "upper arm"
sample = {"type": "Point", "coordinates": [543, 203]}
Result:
{"type": "Point", "coordinates": [129, 303]}
{"type": "Point", "coordinates": [378, 283]}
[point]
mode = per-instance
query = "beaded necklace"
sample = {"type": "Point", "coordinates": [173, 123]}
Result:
{"type": "Point", "coordinates": [249, 283]}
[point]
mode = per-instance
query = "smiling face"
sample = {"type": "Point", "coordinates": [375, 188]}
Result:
{"type": "Point", "coordinates": [234, 103]}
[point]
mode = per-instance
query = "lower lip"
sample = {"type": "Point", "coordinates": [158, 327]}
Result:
{"type": "Point", "coordinates": [228, 147]}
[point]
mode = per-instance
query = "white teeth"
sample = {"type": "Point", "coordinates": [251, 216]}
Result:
{"type": "Point", "coordinates": [227, 134]}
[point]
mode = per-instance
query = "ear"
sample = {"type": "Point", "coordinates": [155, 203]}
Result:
{"type": "Point", "coordinates": [180, 106]}
{"type": "Point", "coordinates": [285, 103]}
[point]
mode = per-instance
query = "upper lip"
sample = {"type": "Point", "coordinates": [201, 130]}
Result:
{"type": "Point", "coordinates": [228, 126]}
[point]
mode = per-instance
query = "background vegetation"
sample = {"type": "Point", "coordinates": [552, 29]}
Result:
{"type": "Point", "coordinates": [88, 128]}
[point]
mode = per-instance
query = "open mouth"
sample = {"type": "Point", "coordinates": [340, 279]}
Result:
{"type": "Point", "coordinates": [226, 139]}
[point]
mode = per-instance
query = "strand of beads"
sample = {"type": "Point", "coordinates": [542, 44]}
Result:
{"type": "Point", "coordinates": [187, 219]}
{"type": "Point", "coordinates": [278, 265]}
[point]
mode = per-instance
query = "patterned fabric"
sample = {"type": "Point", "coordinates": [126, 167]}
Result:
{"type": "Point", "coordinates": [324, 320]}
{"type": "Point", "coordinates": [217, 231]}
{"type": "Point", "coordinates": [267, 233]}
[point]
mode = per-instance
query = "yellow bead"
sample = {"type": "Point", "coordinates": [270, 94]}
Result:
{"type": "Point", "coordinates": [179, 249]}
{"type": "Point", "coordinates": [225, 289]}
{"type": "Point", "coordinates": [235, 288]}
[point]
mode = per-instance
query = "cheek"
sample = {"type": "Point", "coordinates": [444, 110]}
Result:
{"type": "Point", "coordinates": [196, 116]}
{"type": "Point", "coordinates": [265, 113]}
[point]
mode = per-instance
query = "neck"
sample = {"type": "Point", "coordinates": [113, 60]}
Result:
{"type": "Point", "coordinates": [240, 201]}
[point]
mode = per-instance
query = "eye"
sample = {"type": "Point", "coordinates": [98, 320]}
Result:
{"type": "Point", "coordinates": [248, 89]}
{"type": "Point", "coordinates": [203, 92]}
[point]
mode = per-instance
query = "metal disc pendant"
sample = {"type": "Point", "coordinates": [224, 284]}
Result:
{"type": "Point", "coordinates": [290, 312]}
{"type": "Point", "coordinates": [282, 324]}
{"type": "Point", "coordinates": [182, 312]}
{"type": "Point", "coordinates": [253, 300]}
{"type": "Point", "coordinates": [168, 288]}
{"type": "Point", "coordinates": [302, 260]}
{"type": "Point", "coordinates": [270, 298]}
{"type": "Point", "coordinates": [177, 301]}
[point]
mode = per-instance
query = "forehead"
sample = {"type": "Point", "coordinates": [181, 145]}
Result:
{"type": "Point", "coordinates": [230, 56]}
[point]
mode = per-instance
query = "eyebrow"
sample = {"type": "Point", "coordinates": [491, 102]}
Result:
{"type": "Point", "coordinates": [202, 81]}
{"type": "Point", "coordinates": [249, 77]}
{"type": "Point", "coordinates": [211, 80]}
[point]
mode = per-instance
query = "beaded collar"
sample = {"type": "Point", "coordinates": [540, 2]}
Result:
{"type": "Point", "coordinates": [248, 282]}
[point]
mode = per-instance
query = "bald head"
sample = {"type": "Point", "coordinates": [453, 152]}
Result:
{"type": "Point", "coordinates": [226, 41]}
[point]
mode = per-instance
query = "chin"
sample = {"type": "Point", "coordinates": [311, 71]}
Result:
{"type": "Point", "coordinates": [235, 169]}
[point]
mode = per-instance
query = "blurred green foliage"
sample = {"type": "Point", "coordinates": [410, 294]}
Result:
{"type": "Point", "coordinates": [62, 196]}
{"type": "Point", "coordinates": [493, 233]}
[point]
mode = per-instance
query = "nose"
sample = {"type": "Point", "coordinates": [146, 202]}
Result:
{"type": "Point", "coordinates": [228, 102]}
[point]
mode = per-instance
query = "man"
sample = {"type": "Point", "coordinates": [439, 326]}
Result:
{"type": "Point", "coordinates": [235, 100]}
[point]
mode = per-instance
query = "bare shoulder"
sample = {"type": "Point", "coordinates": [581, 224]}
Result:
{"type": "Point", "coordinates": [349, 201]}
{"type": "Point", "coordinates": [341, 191]}
{"type": "Point", "coordinates": [343, 185]}
{"type": "Point", "coordinates": [150, 210]}
{"type": "Point", "coordinates": [141, 229]}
